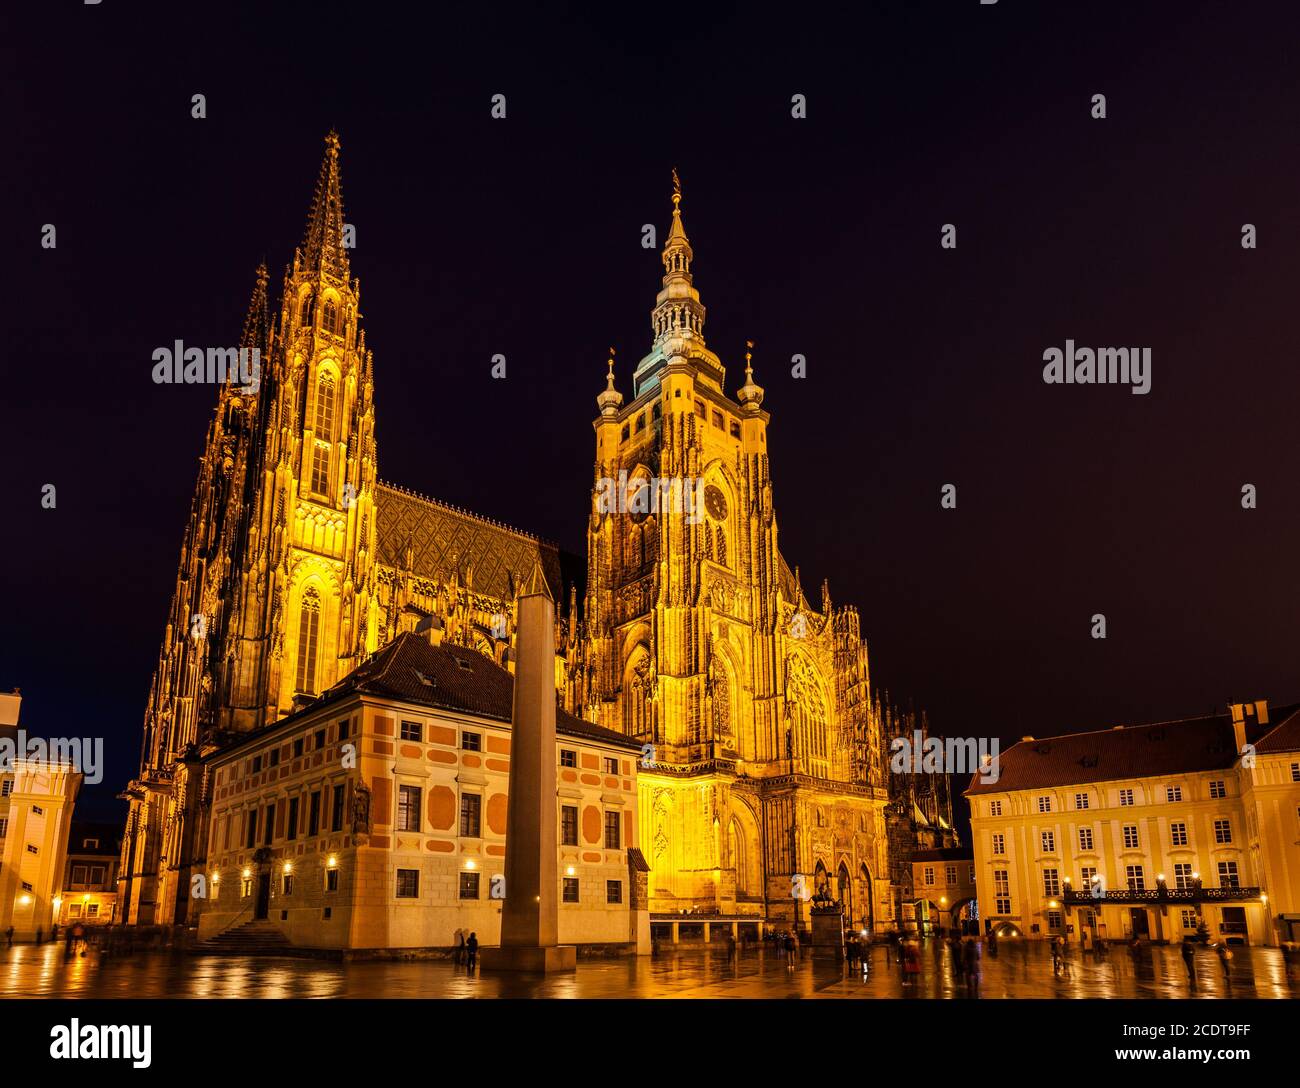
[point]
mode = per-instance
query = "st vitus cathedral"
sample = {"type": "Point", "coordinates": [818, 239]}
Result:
{"type": "Point", "coordinates": [766, 765]}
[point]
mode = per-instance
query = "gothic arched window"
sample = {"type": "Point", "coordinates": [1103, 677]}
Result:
{"type": "Point", "coordinates": [329, 316]}
{"type": "Point", "coordinates": [308, 636]}
{"type": "Point", "coordinates": [636, 694]}
{"type": "Point", "coordinates": [325, 408]}
{"type": "Point", "coordinates": [306, 309]}
{"type": "Point", "coordinates": [722, 544]}
{"type": "Point", "coordinates": [736, 852]}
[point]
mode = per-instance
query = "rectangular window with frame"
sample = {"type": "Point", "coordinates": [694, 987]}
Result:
{"type": "Point", "coordinates": [4, 826]}
{"type": "Point", "coordinates": [470, 741]}
{"type": "Point", "coordinates": [408, 808]}
{"type": "Point", "coordinates": [570, 894]}
{"type": "Point", "coordinates": [999, 843]}
{"type": "Point", "coordinates": [469, 885]}
{"type": "Point", "coordinates": [331, 880]}
{"type": "Point", "coordinates": [613, 839]}
{"type": "Point", "coordinates": [1044, 804]}
{"type": "Point", "coordinates": [1178, 833]}
{"type": "Point", "coordinates": [1049, 841]}
{"type": "Point", "coordinates": [1189, 919]}
{"type": "Point", "coordinates": [1051, 882]}
{"type": "Point", "coordinates": [1173, 793]}
{"type": "Point", "coordinates": [1086, 873]}
{"type": "Point", "coordinates": [1085, 838]}
{"type": "Point", "coordinates": [297, 748]}
{"type": "Point", "coordinates": [336, 809]}
{"type": "Point", "coordinates": [250, 829]}
{"type": "Point", "coordinates": [412, 731]}
{"type": "Point", "coordinates": [995, 808]}
{"type": "Point", "coordinates": [1053, 919]}
{"type": "Point", "coordinates": [288, 884]}
{"type": "Point", "coordinates": [569, 825]}
{"type": "Point", "coordinates": [408, 883]}
{"type": "Point", "coordinates": [1125, 798]}
{"type": "Point", "coordinates": [1001, 892]}
{"type": "Point", "coordinates": [1228, 877]}
{"type": "Point", "coordinates": [471, 805]}
{"type": "Point", "coordinates": [1130, 837]}
{"type": "Point", "coordinates": [1218, 789]}
{"type": "Point", "coordinates": [1183, 876]}
{"type": "Point", "coordinates": [568, 757]}
{"type": "Point", "coordinates": [929, 874]}
{"type": "Point", "coordinates": [951, 873]}
{"type": "Point", "coordinates": [320, 468]}
{"type": "Point", "coordinates": [1136, 878]}
{"type": "Point", "coordinates": [611, 765]}
{"type": "Point", "coordinates": [313, 814]}
{"type": "Point", "coordinates": [1080, 800]}
{"type": "Point", "coordinates": [1295, 772]}
{"type": "Point", "coordinates": [1222, 831]}
{"type": "Point", "coordinates": [269, 830]}
{"type": "Point", "coordinates": [613, 891]}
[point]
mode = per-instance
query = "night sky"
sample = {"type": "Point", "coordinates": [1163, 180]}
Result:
{"type": "Point", "coordinates": [817, 236]}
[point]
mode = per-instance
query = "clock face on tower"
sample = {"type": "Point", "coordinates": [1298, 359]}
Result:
{"type": "Point", "coordinates": [715, 502]}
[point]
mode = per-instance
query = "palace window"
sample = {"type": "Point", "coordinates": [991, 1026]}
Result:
{"type": "Point", "coordinates": [1053, 919]}
{"type": "Point", "coordinates": [247, 889]}
{"type": "Point", "coordinates": [718, 421]}
{"type": "Point", "coordinates": [999, 843]}
{"type": "Point", "coordinates": [1189, 919]}
{"type": "Point", "coordinates": [313, 814]}
{"type": "Point", "coordinates": [569, 825]}
{"type": "Point", "coordinates": [1001, 892]}
{"type": "Point", "coordinates": [1051, 882]}
{"type": "Point", "coordinates": [1044, 804]}
{"type": "Point", "coordinates": [1183, 876]}
{"type": "Point", "coordinates": [4, 826]}
{"type": "Point", "coordinates": [929, 874]}
{"type": "Point", "coordinates": [269, 830]}
{"type": "Point", "coordinates": [1173, 793]}
{"type": "Point", "coordinates": [288, 884]}
{"type": "Point", "coordinates": [613, 840]}
{"type": "Point", "coordinates": [951, 873]}
{"type": "Point", "coordinates": [471, 805]}
{"type": "Point", "coordinates": [1295, 772]}
{"type": "Point", "coordinates": [613, 891]}
{"type": "Point", "coordinates": [568, 757]}
{"type": "Point", "coordinates": [6, 786]}
{"type": "Point", "coordinates": [308, 632]}
{"type": "Point", "coordinates": [292, 831]}
{"type": "Point", "coordinates": [611, 765]}
{"type": "Point", "coordinates": [995, 808]}
{"type": "Point", "coordinates": [1222, 831]}
{"type": "Point", "coordinates": [1125, 798]}
{"type": "Point", "coordinates": [1130, 837]}
{"type": "Point", "coordinates": [1085, 838]}
{"type": "Point", "coordinates": [1135, 877]}
{"type": "Point", "coordinates": [1049, 842]}
{"type": "Point", "coordinates": [408, 808]}
{"type": "Point", "coordinates": [408, 883]}
{"type": "Point", "coordinates": [1086, 874]}
{"type": "Point", "coordinates": [331, 880]}
{"type": "Point", "coordinates": [1218, 788]}
{"type": "Point", "coordinates": [1178, 834]}
{"type": "Point", "coordinates": [1080, 800]}
{"type": "Point", "coordinates": [570, 889]}
{"type": "Point", "coordinates": [250, 829]}
{"type": "Point", "coordinates": [469, 885]}
{"type": "Point", "coordinates": [471, 742]}
{"type": "Point", "coordinates": [1228, 875]}
{"type": "Point", "coordinates": [336, 813]}
{"type": "Point", "coordinates": [412, 731]}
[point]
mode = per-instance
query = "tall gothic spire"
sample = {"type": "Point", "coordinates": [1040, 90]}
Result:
{"type": "Point", "coordinates": [257, 320]}
{"type": "Point", "coordinates": [322, 247]}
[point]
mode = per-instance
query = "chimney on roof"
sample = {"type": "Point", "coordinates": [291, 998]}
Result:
{"type": "Point", "coordinates": [1026, 740]}
{"type": "Point", "coordinates": [1243, 713]}
{"type": "Point", "coordinates": [10, 702]}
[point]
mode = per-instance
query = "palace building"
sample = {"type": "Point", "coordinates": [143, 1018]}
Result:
{"type": "Point", "coordinates": [1146, 831]}
{"type": "Point", "coordinates": [688, 640]}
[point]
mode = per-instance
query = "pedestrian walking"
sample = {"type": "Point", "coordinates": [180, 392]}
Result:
{"type": "Point", "coordinates": [971, 962]}
{"type": "Point", "coordinates": [731, 947]}
{"type": "Point", "coordinates": [471, 951]}
{"type": "Point", "coordinates": [1056, 958]}
{"type": "Point", "coordinates": [79, 939]}
{"type": "Point", "coordinates": [910, 955]}
{"type": "Point", "coordinates": [9, 937]}
{"type": "Point", "coordinates": [993, 943]}
{"type": "Point", "coordinates": [1225, 954]}
{"type": "Point", "coordinates": [67, 942]}
{"type": "Point", "coordinates": [459, 954]}
{"type": "Point", "coordinates": [1189, 961]}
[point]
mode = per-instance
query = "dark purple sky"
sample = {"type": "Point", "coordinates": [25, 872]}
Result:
{"type": "Point", "coordinates": [818, 237]}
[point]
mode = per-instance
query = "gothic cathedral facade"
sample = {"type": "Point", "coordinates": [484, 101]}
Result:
{"type": "Point", "coordinates": [764, 775]}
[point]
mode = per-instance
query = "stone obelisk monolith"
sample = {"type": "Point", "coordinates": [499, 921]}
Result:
{"type": "Point", "coordinates": [530, 913]}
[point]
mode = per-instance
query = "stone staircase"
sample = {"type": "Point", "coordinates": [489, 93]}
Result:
{"type": "Point", "coordinates": [259, 938]}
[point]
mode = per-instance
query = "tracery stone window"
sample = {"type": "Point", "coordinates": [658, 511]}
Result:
{"type": "Point", "coordinates": [325, 408]}
{"type": "Point", "coordinates": [307, 309]}
{"type": "Point", "coordinates": [805, 708]}
{"type": "Point", "coordinates": [637, 691]}
{"type": "Point", "coordinates": [329, 316]}
{"type": "Point", "coordinates": [308, 636]}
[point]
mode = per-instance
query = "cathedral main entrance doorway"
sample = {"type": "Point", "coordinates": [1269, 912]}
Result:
{"type": "Point", "coordinates": [263, 909]}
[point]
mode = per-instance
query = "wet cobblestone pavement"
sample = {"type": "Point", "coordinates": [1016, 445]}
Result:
{"type": "Point", "coordinates": [1019, 970]}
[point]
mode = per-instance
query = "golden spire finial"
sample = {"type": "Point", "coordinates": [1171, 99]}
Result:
{"type": "Point", "coordinates": [611, 368]}
{"type": "Point", "coordinates": [677, 189]}
{"type": "Point", "coordinates": [749, 354]}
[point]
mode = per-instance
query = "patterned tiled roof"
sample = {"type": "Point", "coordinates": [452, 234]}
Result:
{"type": "Point", "coordinates": [1284, 737]}
{"type": "Point", "coordinates": [1132, 751]}
{"type": "Point", "coordinates": [454, 678]}
{"type": "Point", "coordinates": [443, 539]}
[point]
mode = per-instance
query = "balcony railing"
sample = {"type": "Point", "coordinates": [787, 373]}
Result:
{"type": "Point", "coordinates": [1161, 895]}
